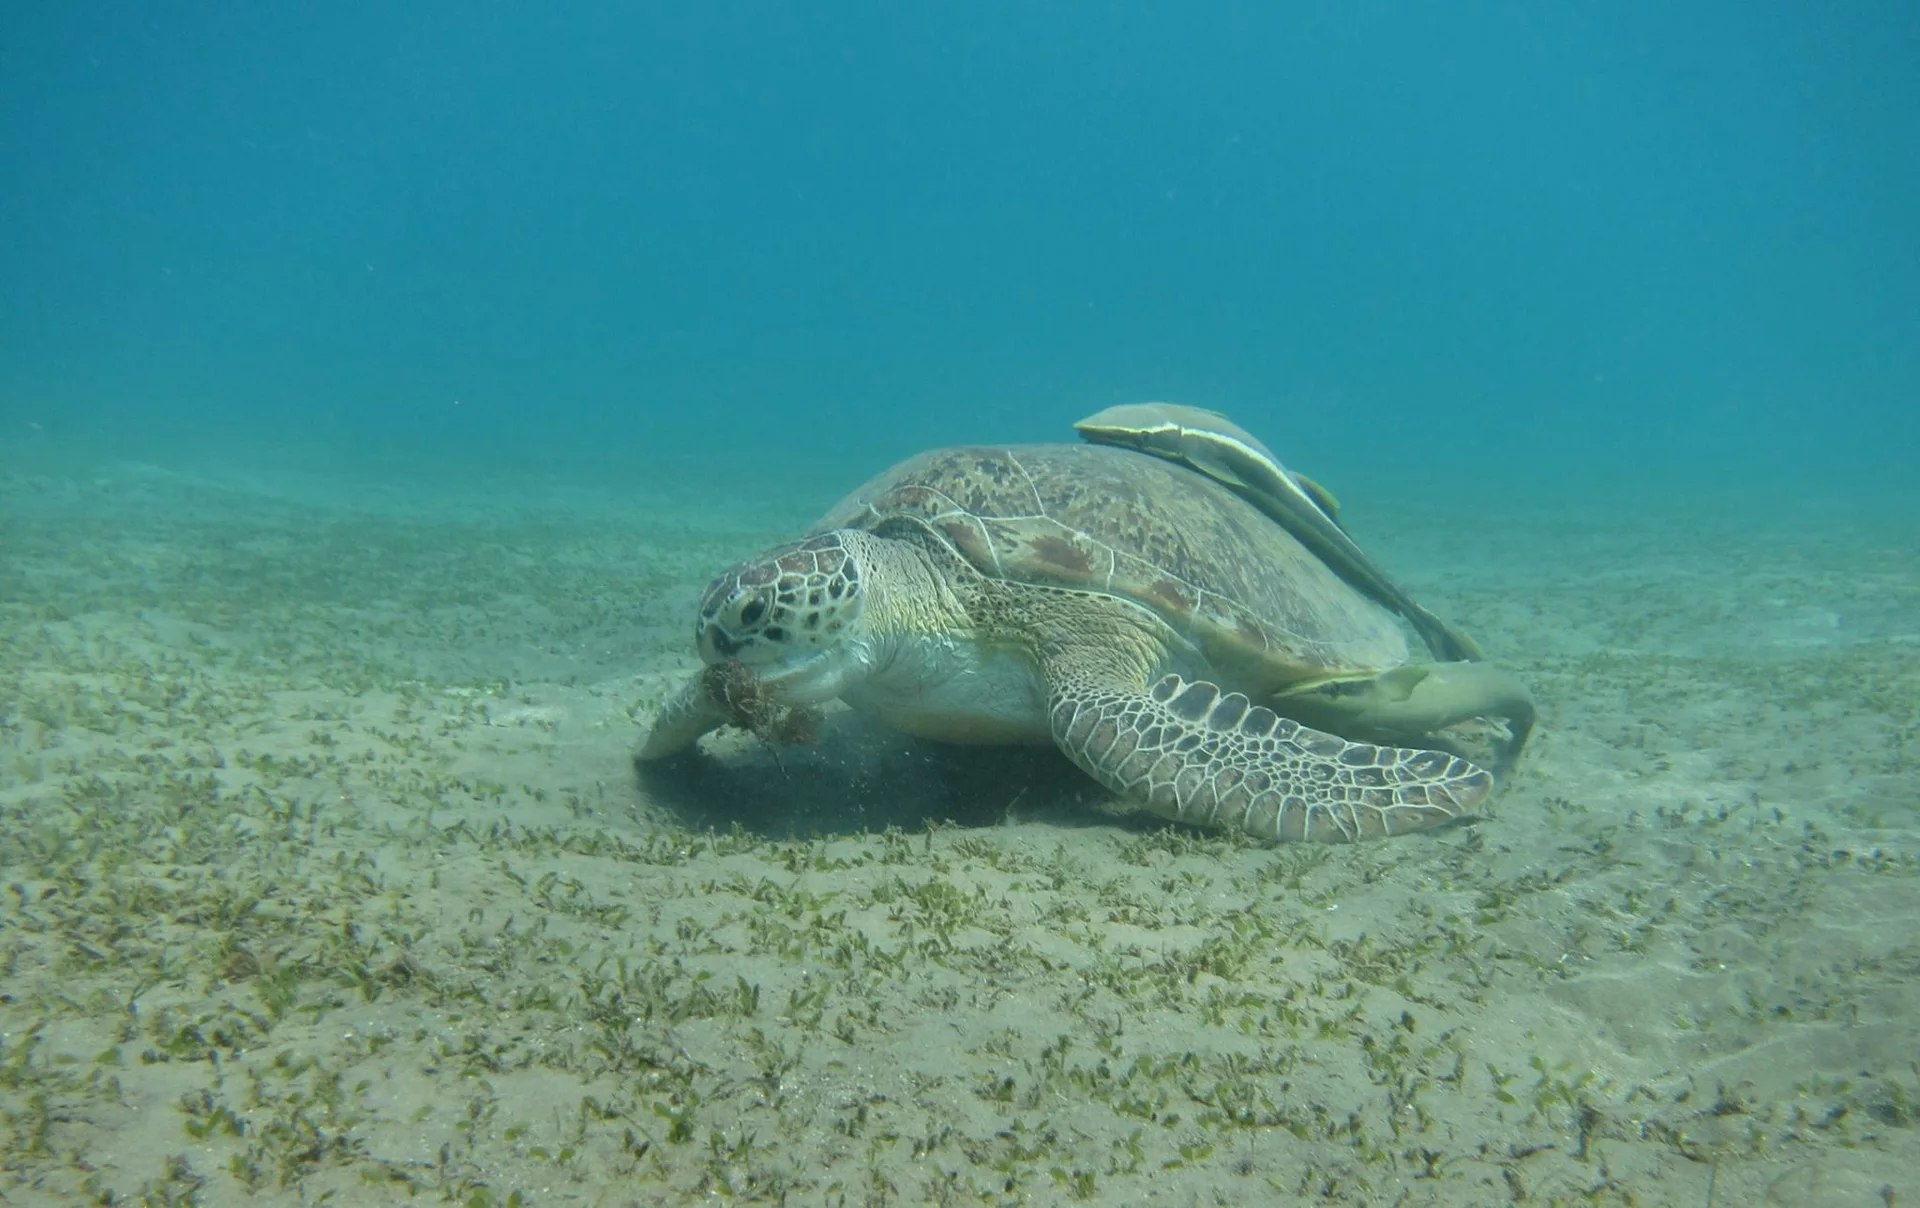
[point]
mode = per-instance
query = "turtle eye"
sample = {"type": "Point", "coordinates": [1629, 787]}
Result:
{"type": "Point", "coordinates": [754, 611]}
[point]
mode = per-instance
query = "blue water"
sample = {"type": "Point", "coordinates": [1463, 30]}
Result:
{"type": "Point", "coordinates": [1468, 241]}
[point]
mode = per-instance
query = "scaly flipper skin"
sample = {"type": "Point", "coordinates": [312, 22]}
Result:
{"type": "Point", "coordinates": [1190, 752]}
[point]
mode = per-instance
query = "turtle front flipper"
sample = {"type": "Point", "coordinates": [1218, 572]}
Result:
{"type": "Point", "coordinates": [687, 715]}
{"type": "Point", "coordinates": [1195, 754]}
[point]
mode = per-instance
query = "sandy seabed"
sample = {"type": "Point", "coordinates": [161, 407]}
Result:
{"type": "Point", "coordinates": [326, 875]}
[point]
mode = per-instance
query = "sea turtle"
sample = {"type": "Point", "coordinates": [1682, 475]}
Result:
{"type": "Point", "coordinates": [1163, 631]}
{"type": "Point", "coordinates": [1211, 443]}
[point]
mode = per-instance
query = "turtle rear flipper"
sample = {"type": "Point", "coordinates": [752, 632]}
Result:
{"type": "Point", "coordinates": [1419, 704]}
{"type": "Point", "coordinates": [1195, 754]}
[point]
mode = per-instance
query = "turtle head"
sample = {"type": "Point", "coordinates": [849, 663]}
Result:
{"type": "Point", "coordinates": [791, 615]}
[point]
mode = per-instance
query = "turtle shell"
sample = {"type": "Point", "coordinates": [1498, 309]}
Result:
{"type": "Point", "coordinates": [1261, 609]}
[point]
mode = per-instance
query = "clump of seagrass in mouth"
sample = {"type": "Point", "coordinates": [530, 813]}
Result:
{"type": "Point", "coordinates": [752, 706]}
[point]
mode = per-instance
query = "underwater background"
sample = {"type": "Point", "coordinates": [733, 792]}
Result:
{"type": "Point", "coordinates": [1459, 240]}
{"type": "Point", "coordinates": [380, 385]}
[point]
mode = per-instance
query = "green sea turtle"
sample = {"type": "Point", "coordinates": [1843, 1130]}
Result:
{"type": "Point", "coordinates": [1211, 443]}
{"type": "Point", "coordinates": [1162, 630]}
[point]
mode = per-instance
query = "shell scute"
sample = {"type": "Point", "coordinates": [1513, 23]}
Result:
{"type": "Point", "coordinates": [1228, 578]}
